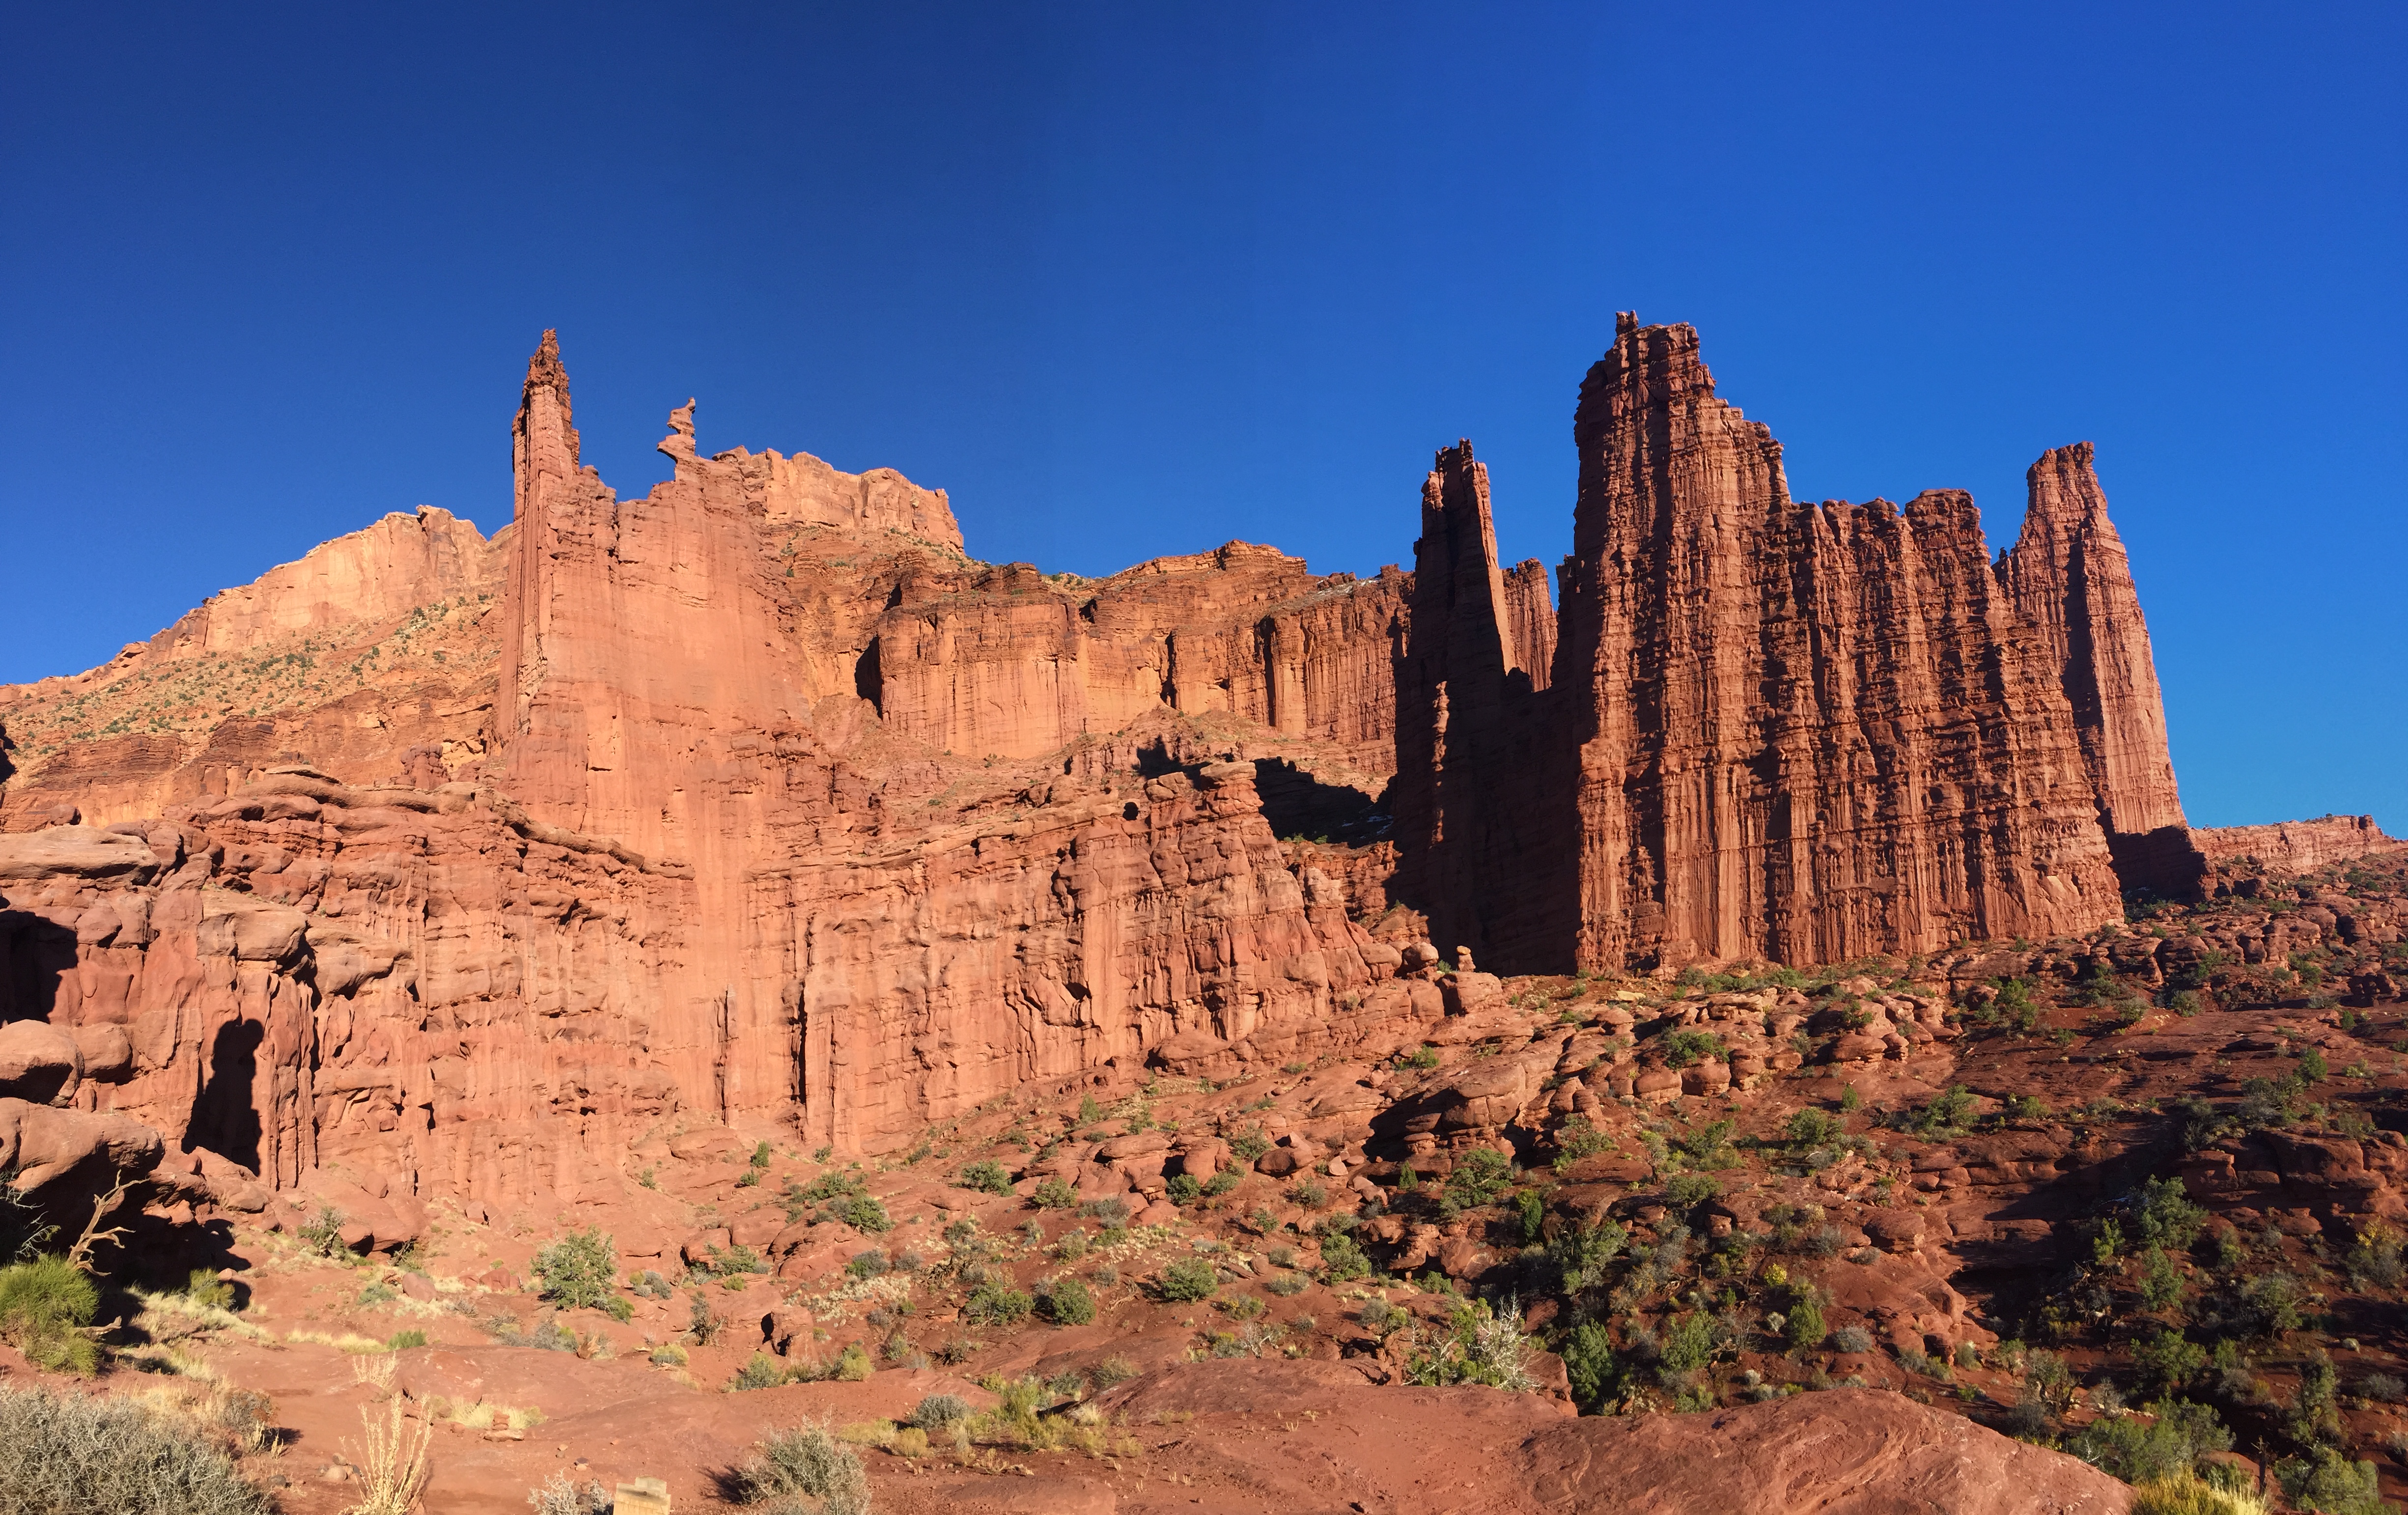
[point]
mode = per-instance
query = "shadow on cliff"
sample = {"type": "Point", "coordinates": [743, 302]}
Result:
{"type": "Point", "coordinates": [1298, 803]}
{"type": "Point", "coordinates": [224, 1120]}
{"type": "Point", "coordinates": [35, 956]}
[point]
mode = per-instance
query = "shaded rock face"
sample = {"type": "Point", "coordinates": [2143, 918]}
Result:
{"type": "Point", "coordinates": [1771, 729]}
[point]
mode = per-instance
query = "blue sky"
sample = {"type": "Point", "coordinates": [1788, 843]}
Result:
{"type": "Point", "coordinates": [1129, 280]}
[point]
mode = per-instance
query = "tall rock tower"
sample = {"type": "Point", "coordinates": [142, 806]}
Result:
{"type": "Point", "coordinates": [1773, 730]}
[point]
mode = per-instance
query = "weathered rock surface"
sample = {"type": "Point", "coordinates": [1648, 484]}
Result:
{"type": "Point", "coordinates": [1771, 730]}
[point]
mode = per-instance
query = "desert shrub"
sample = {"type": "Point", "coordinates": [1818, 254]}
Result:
{"type": "Point", "coordinates": [2168, 1361]}
{"type": "Point", "coordinates": [1852, 1339]}
{"type": "Point", "coordinates": [1530, 1208]}
{"type": "Point", "coordinates": [1053, 1194]}
{"type": "Point", "coordinates": [1685, 1047]}
{"type": "Point", "coordinates": [852, 1365]}
{"type": "Point", "coordinates": [1482, 1344]}
{"type": "Point", "coordinates": [2164, 1217]}
{"type": "Point", "coordinates": [557, 1495]}
{"type": "Point", "coordinates": [2175, 1437]}
{"type": "Point", "coordinates": [808, 1462]}
{"type": "Point", "coordinates": [1689, 1345]}
{"type": "Point", "coordinates": [67, 1455]}
{"type": "Point", "coordinates": [1482, 1175]}
{"type": "Point", "coordinates": [2161, 1281]}
{"type": "Point", "coordinates": [760, 1371]}
{"type": "Point", "coordinates": [937, 1411]}
{"type": "Point", "coordinates": [2315, 1413]}
{"type": "Point", "coordinates": [1287, 1285]}
{"type": "Point", "coordinates": [576, 1271]}
{"type": "Point", "coordinates": [868, 1265]}
{"type": "Point", "coordinates": [2330, 1483]}
{"type": "Point", "coordinates": [1188, 1279]}
{"type": "Point", "coordinates": [1588, 1362]}
{"type": "Point", "coordinates": [1311, 1193]}
{"type": "Point", "coordinates": [1248, 1146]}
{"type": "Point", "coordinates": [2382, 1388]}
{"type": "Point", "coordinates": [1945, 1116]}
{"type": "Point", "coordinates": [1222, 1182]}
{"type": "Point", "coordinates": [866, 1213]}
{"type": "Point", "coordinates": [404, 1339]}
{"type": "Point", "coordinates": [2375, 1260]}
{"type": "Point", "coordinates": [1578, 1139]}
{"type": "Point", "coordinates": [322, 1235]}
{"type": "Point", "coordinates": [1813, 1128]}
{"type": "Point", "coordinates": [2015, 1006]}
{"type": "Point", "coordinates": [1688, 1190]}
{"type": "Point", "coordinates": [1066, 1302]}
{"type": "Point", "coordinates": [985, 1176]}
{"type": "Point", "coordinates": [1184, 1188]}
{"type": "Point", "coordinates": [1342, 1259]}
{"type": "Point", "coordinates": [1803, 1326]}
{"type": "Point", "coordinates": [43, 1304]}
{"type": "Point", "coordinates": [1579, 1255]}
{"type": "Point", "coordinates": [995, 1303]}
{"type": "Point", "coordinates": [1111, 1212]}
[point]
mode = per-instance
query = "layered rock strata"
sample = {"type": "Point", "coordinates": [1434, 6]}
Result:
{"type": "Point", "coordinates": [753, 800]}
{"type": "Point", "coordinates": [1773, 730]}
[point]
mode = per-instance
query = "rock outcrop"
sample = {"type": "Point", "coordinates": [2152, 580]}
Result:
{"type": "Point", "coordinates": [2294, 846]}
{"type": "Point", "coordinates": [1771, 730]}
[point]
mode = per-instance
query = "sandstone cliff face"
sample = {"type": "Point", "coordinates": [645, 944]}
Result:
{"type": "Point", "coordinates": [1789, 732]}
{"type": "Point", "coordinates": [2295, 846]}
{"type": "Point", "coordinates": [372, 655]}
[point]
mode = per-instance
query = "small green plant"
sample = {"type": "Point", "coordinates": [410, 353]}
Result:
{"type": "Point", "coordinates": [1479, 1176]}
{"type": "Point", "coordinates": [44, 1305]}
{"type": "Point", "coordinates": [987, 1176]}
{"type": "Point", "coordinates": [404, 1339]}
{"type": "Point", "coordinates": [1684, 1047]}
{"type": "Point", "coordinates": [1423, 1060]}
{"type": "Point", "coordinates": [995, 1303]}
{"type": "Point", "coordinates": [1183, 1189]}
{"type": "Point", "coordinates": [578, 1270]}
{"type": "Point", "coordinates": [1066, 1301]}
{"type": "Point", "coordinates": [1188, 1279]}
{"type": "Point", "coordinates": [1055, 1194]}
{"type": "Point", "coordinates": [1248, 1146]}
{"type": "Point", "coordinates": [1342, 1259]}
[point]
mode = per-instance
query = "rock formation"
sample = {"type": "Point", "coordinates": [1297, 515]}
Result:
{"type": "Point", "coordinates": [751, 800]}
{"type": "Point", "coordinates": [1771, 730]}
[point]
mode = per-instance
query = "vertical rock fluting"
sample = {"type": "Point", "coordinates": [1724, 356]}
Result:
{"type": "Point", "coordinates": [1785, 731]}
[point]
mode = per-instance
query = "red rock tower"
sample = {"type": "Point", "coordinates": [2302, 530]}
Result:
{"type": "Point", "coordinates": [1771, 730]}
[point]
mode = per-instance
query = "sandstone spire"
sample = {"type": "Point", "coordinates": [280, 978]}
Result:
{"type": "Point", "coordinates": [2072, 584]}
{"type": "Point", "coordinates": [1771, 730]}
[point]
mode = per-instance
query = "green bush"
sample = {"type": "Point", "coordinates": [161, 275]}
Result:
{"type": "Point", "coordinates": [202, 1286]}
{"type": "Point", "coordinates": [1342, 1259]}
{"type": "Point", "coordinates": [1684, 1047]}
{"type": "Point", "coordinates": [1479, 1176]}
{"type": "Point", "coordinates": [2175, 1437]}
{"type": "Point", "coordinates": [1802, 1328]}
{"type": "Point", "coordinates": [1588, 1362]}
{"type": "Point", "coordinates": [761, 1371]}
{"type": "Point", "coordinates": [1054, 1194]}
{"type": "Point", "coordinates": [405, 1340]}
{"type": "Point", "coordinates": [1066, 1302]}
{"type": "Point", "coordinates": [42, 1305]}
{"type": "Point", "coordinates": [1248, 1146]}
{"type": "Point", "coordinates": [2333, 1484]}
{"type": "Point", "coordinates": [70, 1454]}
{"type": "Point", "coordinates": [987, 1176]}
{"type": "Point", "coordinates": [1183, 1189]}
{"type": "Point", "coordinates": [807, 1461]}
{"type": "Point", "coordinates": [1814, 1128]}
{"type": "Point", "coordinates": [577, 1271]}
{"type": "Point", "coordinates": [1191, 1279]}
{"type": "Point", "coordinates": [852, 1365]}
{"type": "Point", "coordinates": [995, 1303]}
{"type": "Point", "coordinates": [1580, 1254]}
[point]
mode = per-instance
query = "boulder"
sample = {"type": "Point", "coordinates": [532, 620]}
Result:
{"type": "Point", "coordinates": [39, 1061]}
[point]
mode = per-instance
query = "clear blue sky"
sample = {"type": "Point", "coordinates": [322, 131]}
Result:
{"type": "Point", "coordinates": [1136, 279]}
